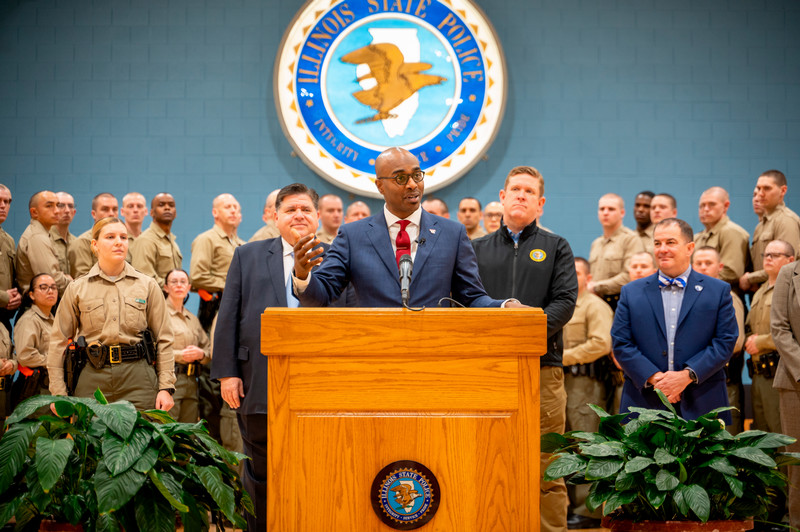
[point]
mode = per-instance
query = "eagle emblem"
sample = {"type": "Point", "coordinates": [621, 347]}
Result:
{"type": "Point", "coordinates": [405, 494]}
{"type": "Point", "coordinates": [395, 80]}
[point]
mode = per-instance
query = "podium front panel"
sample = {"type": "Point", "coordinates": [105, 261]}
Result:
{"type": "Point", "coordinates": [443, 388]}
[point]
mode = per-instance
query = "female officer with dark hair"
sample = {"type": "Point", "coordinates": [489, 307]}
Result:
{"type": "Point", "coordinates": [32, 335]}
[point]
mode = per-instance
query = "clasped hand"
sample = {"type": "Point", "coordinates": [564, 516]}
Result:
{"type": "Point", "coordinates": [671, 383]}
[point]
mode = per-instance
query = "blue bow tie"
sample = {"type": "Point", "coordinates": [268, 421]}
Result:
{"type": "Point", "coordinates": [664, 282]}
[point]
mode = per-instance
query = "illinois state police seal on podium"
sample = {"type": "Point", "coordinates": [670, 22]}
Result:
{"type": "Point", "coordinates": [405, 495]}
{"type": "Point", "coordinates": [354, 77]}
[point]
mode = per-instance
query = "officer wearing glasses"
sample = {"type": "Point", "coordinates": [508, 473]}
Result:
{"type": "Point", "coordinates": [367, 252]}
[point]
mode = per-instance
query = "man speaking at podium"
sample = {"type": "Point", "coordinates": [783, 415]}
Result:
{"type": "Point", "coordinates": [367, 253]}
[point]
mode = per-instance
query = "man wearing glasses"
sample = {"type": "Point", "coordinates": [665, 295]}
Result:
{"type": "Point", "coordinates": [367, 252]}
{"type": "Point", "coordinates": [758, 343]}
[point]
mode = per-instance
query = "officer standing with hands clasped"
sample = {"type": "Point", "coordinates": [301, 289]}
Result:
{"type": "Point", "coordinates": [111, 308]}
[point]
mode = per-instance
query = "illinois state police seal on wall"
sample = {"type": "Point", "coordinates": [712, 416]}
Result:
{"type": "Point", "coordinates": [405, 495]}
{"type": "Point", "coordinates": [354, 77]}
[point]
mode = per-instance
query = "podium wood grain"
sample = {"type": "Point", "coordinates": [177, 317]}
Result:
{"type": "Point", "coordinates": [352, 390]}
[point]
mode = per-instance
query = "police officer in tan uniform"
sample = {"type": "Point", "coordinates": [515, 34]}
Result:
{"type": "Point", "coordinates": [764, 357]}
{"type": "Point", "coordinates": [59, 233]}
{"type": "Point", "coordinates": [191, 347]}
{"type": "Point", "coordinates": [610, 254]}
{"type": "Point", "coordinates": [81, 258]}
{"type": "Point", "coordinates": [776, 222]}
{"type": "Point", "coordinates": [35, 253]}
{"type": "Point", "coordinates": [587, 341]}
{"type": "Point", "coordinates": [358, 210]}
{"type": "Point", "coordinates": [641, 213]}
{"type": "Point", "coordinates": [156, 253]}
{"type": "Point", "coordinates": [212, 252]}
{"type": "Point", "coordinates": [270, 230]}
{"type": "Point", "coordinates": [110, 307]}
{"type": "Point", "coordinates": [331, 210]}
{"type": "Point", "coordinates": [32, 335]}
{"type": "Point", "coordinates": [706, 260]}
{"type": "Point", "coordinates": [8, 366]}
{"type": "Point", "coordinates": [10, 298]}
{"type": "Point", "coordinates": [728, 238]}
{"type": "Point", "coordinates": [133, 210]}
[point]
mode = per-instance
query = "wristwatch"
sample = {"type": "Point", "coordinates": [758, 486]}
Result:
{"type": "Point", "coordinates": [692, 375]}
{"type": "Point", "coordinates": [170, 390]}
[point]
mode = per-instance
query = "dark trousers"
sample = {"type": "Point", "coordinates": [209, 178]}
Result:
{"type": "Point", "coordinates": [254, 477]}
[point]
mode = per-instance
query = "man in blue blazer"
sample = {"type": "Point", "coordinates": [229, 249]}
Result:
{"type": "Point", "coordinates": [366, 253]}
{"type": "Point", "coordinates": [675, 331]}
{"type": "Point", "coordinates": [257, 279]}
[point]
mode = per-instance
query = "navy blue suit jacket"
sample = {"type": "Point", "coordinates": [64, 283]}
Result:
{"type": "Point", "coordinates": [704, 340]}
{"type": "Point", "coordinates": [362, 254]}
{"type": "Point", "coordinates": [255, 282]}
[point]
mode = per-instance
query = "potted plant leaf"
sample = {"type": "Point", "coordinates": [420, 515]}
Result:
{"type": "Point", "coordinates": [109, 467]}
{"type": "Point", "coordinates": [658, 468]}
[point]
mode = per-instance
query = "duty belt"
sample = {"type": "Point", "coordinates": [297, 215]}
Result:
{"type": "Point", "coordinates": [114, 354]}
{"type": "Point", "coordinates": [594, 370]}
{"type": "Point", "coordinates": [612, 300]}
{"type": "Point", "coordinates": [766, 364]}
{"type": "Point", "coordinates": [5, 383]}
{"type": "Point", "coordinates": [188, 369]}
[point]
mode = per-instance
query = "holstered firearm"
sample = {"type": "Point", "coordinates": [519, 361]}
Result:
{"type": "Point", "coordinates": [149, 346]}
{"type": "Point", "coordinates": [74, 362]}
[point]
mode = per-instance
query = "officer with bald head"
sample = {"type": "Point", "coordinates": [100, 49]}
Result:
{"type": "Point", "coordinates": [721, 233]}
{"type": "Point", "coordinates": [35, 253]}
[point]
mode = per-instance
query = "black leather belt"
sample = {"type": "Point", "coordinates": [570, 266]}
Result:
{"type": "Point", "coordinates": [187, 369]}
{"type": "Point", "coordinates": [612, 300]}
{"type": "Point", "coordinates": [5, 383]}
{"type": "Point", "coordinates": [766, 364]}
{"type": "Point", "coordinates": [114, 354]}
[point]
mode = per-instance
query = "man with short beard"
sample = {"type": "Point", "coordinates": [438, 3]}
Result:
{"type": "Point", "coordinates": [155, 252]}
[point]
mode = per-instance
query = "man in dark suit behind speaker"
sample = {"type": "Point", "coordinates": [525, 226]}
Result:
{"type": "Point", "coordinates": [257, 279]}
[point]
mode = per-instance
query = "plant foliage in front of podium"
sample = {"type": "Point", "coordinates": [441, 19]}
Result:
{"type": "Point", "coordinates": [661, 467]}
{"type": "Point", "coordinates": [109, 467]}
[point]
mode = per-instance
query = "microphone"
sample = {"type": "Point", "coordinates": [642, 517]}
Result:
{"type": "Point", "coordinates": [406, 265]}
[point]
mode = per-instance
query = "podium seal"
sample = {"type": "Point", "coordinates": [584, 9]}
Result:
{"type": "Point", "coordinates": [355, 77]}
{"type": "Point", "coordinates": [405, 495]}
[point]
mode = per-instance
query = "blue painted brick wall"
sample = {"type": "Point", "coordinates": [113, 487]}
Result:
{"type": "Point", "coordinates": [604, 95]}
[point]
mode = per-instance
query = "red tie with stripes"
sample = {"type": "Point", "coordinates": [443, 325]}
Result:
{"type": "Point", "coordinates": [403, 241]}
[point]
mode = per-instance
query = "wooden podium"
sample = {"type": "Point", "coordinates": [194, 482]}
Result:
{"type": "Point", "coordinates": [352, 390]}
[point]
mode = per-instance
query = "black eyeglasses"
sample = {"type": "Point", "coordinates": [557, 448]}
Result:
{"type": "Point", "coordinates": [773, 256]}
{"type": "Point", "coordinates": [402, 179]}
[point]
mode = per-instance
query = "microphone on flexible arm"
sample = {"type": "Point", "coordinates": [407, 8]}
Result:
{"type": "Point", "coordinates": [406, 266]}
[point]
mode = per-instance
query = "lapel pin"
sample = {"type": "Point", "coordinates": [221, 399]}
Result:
{"type": "Point", "coordinates": [698, 288]}
{"type": "Point", "coordinates": [433, 231]}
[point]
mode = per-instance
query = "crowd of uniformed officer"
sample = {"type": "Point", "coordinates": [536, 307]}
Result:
{"type": "Point", "coordinates": [94, 296]}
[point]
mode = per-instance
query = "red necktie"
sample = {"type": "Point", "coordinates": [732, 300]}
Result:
{"type": "Point", "coordinates": [403, 241]}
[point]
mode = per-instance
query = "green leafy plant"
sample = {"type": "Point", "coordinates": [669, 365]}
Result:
{"type": "Point", "coordinates": [109, 466]}
{"type": "Point", "coordinates": [661, 467]}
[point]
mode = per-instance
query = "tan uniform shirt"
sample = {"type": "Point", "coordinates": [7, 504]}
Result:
{"type": "Point", "coordinates": [32, 337]}
{"type": "Point", "coordinates": [7, 254]}
{"type": "Point", "coordinates": [758, 319]}
{"type": "Point", "coordinates": [35, 255]}
{"type": "Point", "coordinates": [324, 236]}
{"type": "Point", "coordinates": [187, 331]}
{"type": "Point", "coordinates": [7, 348]}
{"type": "Point", "coordinates": [270, 230]}
{"type": "Point", "coordinates": [646, 237]}
{"type": "Point", "coordinates": [61, 247]}
{"type": "Point", "coordinates": [212, 253]}
{"type": "Point", "coordinates": [731, 241]}
{"type": "Point", "coordinates": [479, 232]}
{"type": "Point", "coordinates": [781, 224]}
{"type": "Point", "coordinates": [738, 310]}
{"type": "Point", "coordinates": [587, 335]}
{"type": "Point", "coordinates": [609, 259]}
{"type": "Point", "coordinates": [111, 312]}
{"type": "Point", "coordinates": [80, 256]}
{"type": "Point", "coordinates": [155, 253]}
